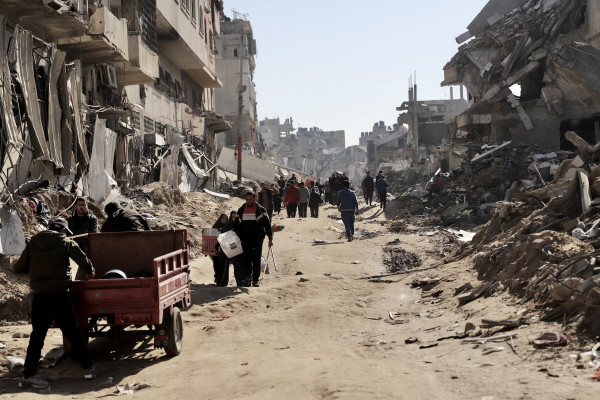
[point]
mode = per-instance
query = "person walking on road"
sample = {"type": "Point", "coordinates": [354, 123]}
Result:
{"type": "Point", "coordinates": [382, 186]}
{"type": "Point", "coordinates": [265, 199]}
{"type": "Point", "coordinates": [291, 199]}
{"type": "Point", "coordinates": [220, 261]}
{"type": "Point", "coordinates": [238, 271]}
{"type": "Point", "coordinates": [252, 226]}
{"type": "Point", "coordinates": [368, 185]}
{"type": "Point", "coordinates": [46, 259]}
{"type": "Point", "coordinates": [315, 200]}
{"type": "Point", "coordinates": [303, 202]}
{"type": "Point", "coordinates": [348, 207]}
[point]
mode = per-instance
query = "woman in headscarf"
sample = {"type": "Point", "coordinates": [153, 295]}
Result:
{"type": "Point", "coordinates": [220, 261]}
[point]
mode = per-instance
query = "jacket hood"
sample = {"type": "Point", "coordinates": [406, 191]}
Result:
{"type": "Point", "coordinates": [46, 240]}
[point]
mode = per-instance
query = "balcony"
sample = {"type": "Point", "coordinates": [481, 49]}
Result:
{"type": "Point", "coordinates": [105, 42]}
{"type": "Point", "coordinates": [142, 67]}
{"type": "Point", "coordinates": [181, 44]}
{"type": "Point", "coordinates": [44, 22]}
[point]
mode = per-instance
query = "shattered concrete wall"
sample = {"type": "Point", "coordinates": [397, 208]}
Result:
{"type": "Point", "coordinates": [545, 47]}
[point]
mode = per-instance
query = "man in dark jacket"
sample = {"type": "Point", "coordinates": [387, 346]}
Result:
{"type": "Point", "coordinates": [368, 185]}
{"type": "Point", "coordinates": [82, 221]}
{"type": "Point", "coordinates": [382, 186]}
{"type": "Point", "coordinates": [46, 259]}
{"type": "Point", "coordinates": [120, 220]}
{"type": "Point", "coordinates": [315, 200]}
{"type": "Point", "coordinates": [252, 226]}
{"type": "Point", "coordinates": [348, 207]}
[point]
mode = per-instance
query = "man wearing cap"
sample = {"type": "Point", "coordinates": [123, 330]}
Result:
{"type": "Point", "coordinates": [252, 226]}
{"type": "Point", "coordinates": [368, 186]}
{"type": "Point", "coordinates": [46, 259]}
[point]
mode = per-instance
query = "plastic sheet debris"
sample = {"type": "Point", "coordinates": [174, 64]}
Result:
{"type": "Point", "coordinates": [320, 241]}
{"type": "Point", "coordinates": [335, 229]}
{"type": "Point", "coordinates": [594, 231]}
{"type": "Point", "coordinates": [15, 364]}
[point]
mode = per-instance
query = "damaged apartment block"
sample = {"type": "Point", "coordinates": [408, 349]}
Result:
{"type": "Point", "coordinates": [99, 94]}
{"type": "Point", "coordinates": [551, 50]}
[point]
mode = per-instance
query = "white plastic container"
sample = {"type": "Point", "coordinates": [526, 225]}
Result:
{"type": "Point", "coordinates": [230, 244]}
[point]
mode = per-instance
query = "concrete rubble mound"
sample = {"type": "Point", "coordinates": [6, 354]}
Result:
{"type": "Point", "coordinates": [543, 245]}
{"type": "Point", "coordinates": [162, 206]}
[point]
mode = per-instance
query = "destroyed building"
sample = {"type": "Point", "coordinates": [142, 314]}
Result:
{"type": "Point", "coordinates": [236, 100]}
{"type": "Point", "coordinates": [382, 144]}
{"type": "Point", "coordinates": [271, 130]}
{"type": "Point", "coordinates": [311, 150]}
{"type": "Point", "coordinates": [103, 94]}
{"type": "Point", "coordinates": [428, 141]}
{"type": "Point", "coordinates": [550, 49]}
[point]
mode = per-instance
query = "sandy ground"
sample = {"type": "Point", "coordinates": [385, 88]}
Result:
{"type": "Point", "coordinates": [326, 334]}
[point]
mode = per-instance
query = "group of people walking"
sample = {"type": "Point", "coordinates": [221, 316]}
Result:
{"type": "Point", "coordinates": [369, 185]}
{"type": "Point", "coordinates": [251, 222]}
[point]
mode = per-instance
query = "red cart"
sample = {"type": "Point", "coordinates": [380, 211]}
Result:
{"type": "Point", "coordinates": [156, 287]}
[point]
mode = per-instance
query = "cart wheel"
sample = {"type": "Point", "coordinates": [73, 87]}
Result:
{"type": "Point", "coordinates": [174, 329]}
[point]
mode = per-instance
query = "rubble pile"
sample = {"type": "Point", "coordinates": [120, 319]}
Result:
{"type": "Point", "coordinates": [163, 207]}
{"type": "Point", "coordinates": [398, 259]}
{"type": "Point", "coordinates": [490, 173]}
{"type": "Point", "coordinates": [542, 248]}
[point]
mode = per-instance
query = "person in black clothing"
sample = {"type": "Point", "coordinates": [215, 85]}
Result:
{"type": "Point", "coordinates": [46, 259]}
{"type": "Point", "coordinates": [368, 185]}
{"type": "Point", "coordinates": [120, 220]}
{"type": "Point", "coordinates": [265, 199]}
{"type": "Point", "coordinates": [82, 221]}
{"type": "Point", "coordinates": [238, 271]}
{"type": "Point", "coordinates": [313, 203]}
{"type": "Point", "coordinates": [252, 225]}
{"type": "Point", "coordinates": [220, 261]}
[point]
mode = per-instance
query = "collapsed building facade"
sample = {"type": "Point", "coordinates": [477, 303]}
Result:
{"type": "Point", "coordinates": [98, 94]}
{"type": "Point", "coordinates": [551, 50]}
{"type": "Point", "coordinates": [311, 150]}
{"type": "Point", "coordinates": [236, 100]}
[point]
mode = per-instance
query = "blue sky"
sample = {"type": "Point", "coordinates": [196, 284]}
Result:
{"type": "Point", "coordinates": [345, 65]}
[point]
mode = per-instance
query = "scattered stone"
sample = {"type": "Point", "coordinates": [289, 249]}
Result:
{"type": "Point", "coordinates": [465, 298]}
{"type": "Point", "coordinates": [299, 273]}
{"type": "Point", "coordinates": [20, 335]}
{"type": "Point", "coordinates": [572, 224]}
{"type": "Point", "coordinates": [462, 288]}
{"type": "Point", "coordinates": [303, 280]}
{"type": "Point", "coordinates": [411, 340]}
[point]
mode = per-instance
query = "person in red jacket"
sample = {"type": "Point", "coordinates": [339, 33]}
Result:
{"type": "Point", "coordinates": [291, 199]}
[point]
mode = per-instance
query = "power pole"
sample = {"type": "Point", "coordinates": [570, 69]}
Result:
{"type": "Point", "coordinates": [415, 119]}
{"type": "Point", "coordinates": [240, 109]}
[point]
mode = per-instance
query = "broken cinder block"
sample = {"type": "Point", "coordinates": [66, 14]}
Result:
{"type": "Point", "coordinates": [570, 225]}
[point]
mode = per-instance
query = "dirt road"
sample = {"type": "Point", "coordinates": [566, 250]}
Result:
{"type": "Point", "coordinates": [325, 334]}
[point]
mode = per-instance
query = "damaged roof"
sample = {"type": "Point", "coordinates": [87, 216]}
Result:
{"type": "Point", "coordinates": [535, 43]}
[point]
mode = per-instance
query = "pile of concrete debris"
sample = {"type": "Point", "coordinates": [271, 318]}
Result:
{"type": "Point", "coordinates": [490, 173]}
{"type": "Point", "coordinates": [163, 208]}
{"type": "Point", "coordinates": [543, 247]}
